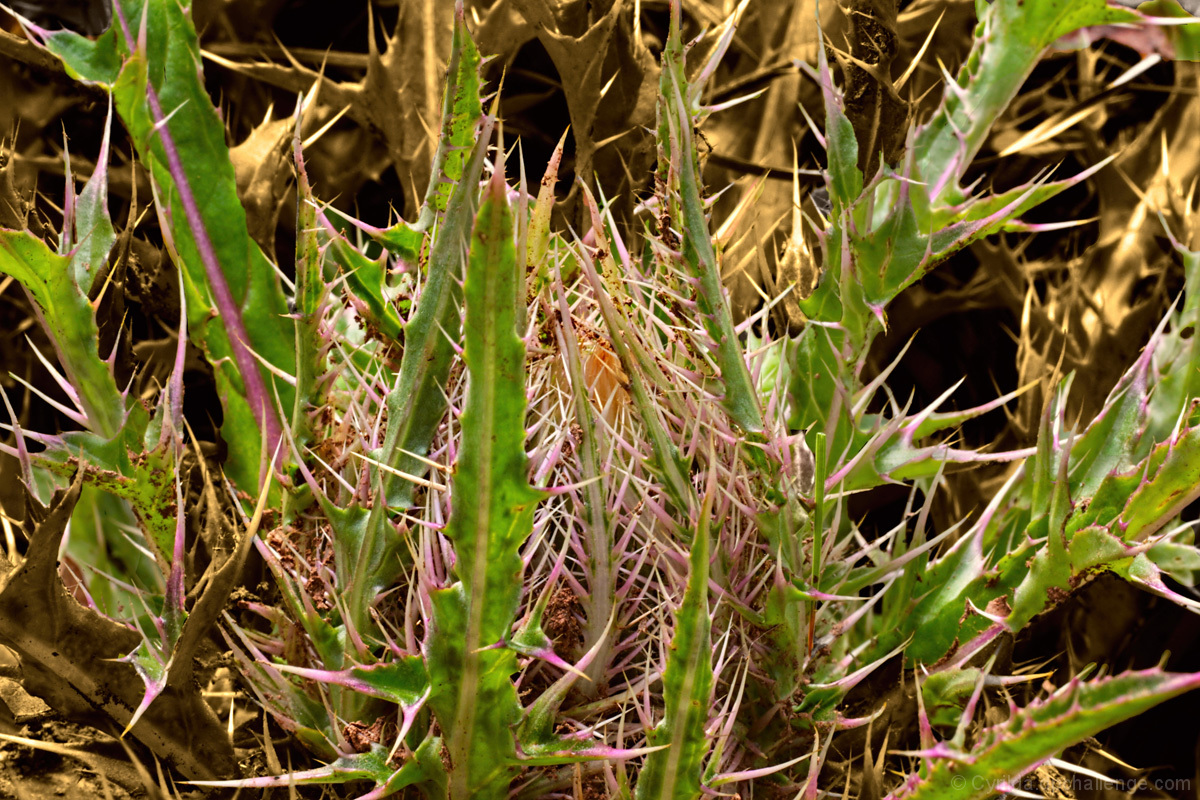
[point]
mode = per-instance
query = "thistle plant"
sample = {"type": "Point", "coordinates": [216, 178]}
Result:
{"type": "Point", "coordinates": [538, 511]}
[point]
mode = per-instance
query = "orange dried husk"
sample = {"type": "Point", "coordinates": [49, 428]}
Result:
{"type": "Point", "coordinates": [606, 380]}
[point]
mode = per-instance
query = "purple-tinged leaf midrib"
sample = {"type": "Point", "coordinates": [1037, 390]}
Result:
{"type": "Point", "coordinates": [256, 391]}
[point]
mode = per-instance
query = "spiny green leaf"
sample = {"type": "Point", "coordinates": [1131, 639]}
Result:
{"type": "Point", "coordinates": [675, 772]}
{"type": "Point", "coordinates": [678, 148]}
{"type": "Point", "coordinates": [69, 320]}
{"type": "Point", "coordinates": [461, 110]}
{"type": "Point", "coordinates": [366, 278]}
{"type": "Point", "coordinates": [311, 298]}
{"type": "Point", "coordinates": [1009, 40]}
{"type": "Point", "coordinates": [417, 403]}
{"type": "Point", "coordinates": [1032, 734]}
{"type": "Point", "coordinates": [160, 95]}
{"type": "Point", "coordinates": [472, 692]}
{"type": "Point", "coordinates": [845, 179]}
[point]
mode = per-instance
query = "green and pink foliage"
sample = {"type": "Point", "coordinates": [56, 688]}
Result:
{"type": "Point", "coordinates": [678, 178]}
{"type": "Point", "coordinates": [488, 430]}
{"type": "Point", "coordinates": [149, 61]}
{"type": "Point", "coordinates": [493, 504]}
{"type": "Point", "coordinates": [1003, 753]}
{"type": "Point", "coordinates": [432, 330]}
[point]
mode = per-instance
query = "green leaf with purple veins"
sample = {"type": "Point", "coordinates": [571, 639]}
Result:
{"type": "Point", "coordinates": [150, 62]}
